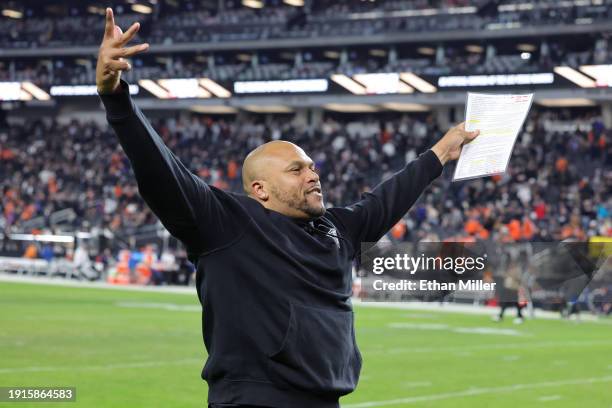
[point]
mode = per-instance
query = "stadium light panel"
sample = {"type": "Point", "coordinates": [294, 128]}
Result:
{"type": "Point", "coordinates": [426, 50]}
{"type": "Point", "coordinates": [42, 238]}
{"type": "Point", "coordinates": [12, 13]}
{"type": "Point", "coordinates": [405, 107]}
{"type": "Point", "coordinates": [215, 88]}
{"type": "Point", "coordinates": [476, 49]}
{"type": "Point", "coordinates": [96, 10]}
{"type": "Point", "coordinates": [155, 89]}
{"type": "Point", "coordinates": [543, 78]}
{"type": "Point", "coordinates": [350, 107]}
{"type": "Point", "coordinates": [11, 91]}
{"type": "Point", "coordinates": [601, 73]}
{"type": "Point", "coordinates": [213, 109]}
{"type": "Point", "coordinates": [268, 108]}
{"type": "Point", "coordinates": [576, 77]}
{"type": "Point", "coordinates": [142, 8]}
{"type": "Point", "coordinates": [348, 84]}
{"type": "Point", "coordinates": [378, 52]}
{"type": "Point", "coordinates": [565, 102]}
{"type": "Point", "coordinates": [417, 82]}
{"type": "Point", "coordinates": [256, 4]}
{"type": "Point", "coordinates": [281, 86]}
{"type": "Point", "coordinates": [383, 83]}
{"type": "Point", "coordinates": [184, 88]}
{"type": "Point", "coordinates": [294, 3]}
{"type": "Point", "coordinates": [35, 91]}
{"type": "Point", "coordinates": [526, 47]}
{"type": "Point", "coordinates": [83, 90]}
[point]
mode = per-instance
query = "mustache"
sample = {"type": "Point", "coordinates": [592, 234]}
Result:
{"type": "Point", "coordinates": [316, 188]}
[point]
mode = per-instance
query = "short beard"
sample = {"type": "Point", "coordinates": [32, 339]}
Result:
{"type": "Point", "coordinates": [295, 202]}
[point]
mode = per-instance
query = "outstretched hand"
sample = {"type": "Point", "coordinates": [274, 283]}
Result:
{"type": "Point", "coordinates": [449, 147]}
{"type": "Point", "coordinates": [112, 54]}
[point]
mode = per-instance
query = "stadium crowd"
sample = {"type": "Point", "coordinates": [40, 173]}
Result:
{"type": "Point", "coordinates": [189, 22]}
{"type": "Point", "coordinates": [557, 184]}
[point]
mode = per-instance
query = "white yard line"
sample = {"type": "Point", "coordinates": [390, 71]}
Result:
{"type": "Point", "coordinates": [549, 398]}
{"type": "Point", "coordinates": [40, 280]}
{"type": "Point", "coordinates": [470, 392]}
{"type": "Point", "coordinates": [502, 346]}
{"type": "Point", "coordinates": [157, 305]}
{"type": "Point", "coordinates": [138, 364]}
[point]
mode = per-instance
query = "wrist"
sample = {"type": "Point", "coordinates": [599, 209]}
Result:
{"type": "Point", "coordinates": [441, 153]}
{"type": "Point", "coordinates": [106, 89]}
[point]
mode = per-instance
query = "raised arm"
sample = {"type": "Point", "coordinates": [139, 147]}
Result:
{"type": "Point", "coordinates": [191, 210]}
{"type": "Point", "coordinates": [371, 217]}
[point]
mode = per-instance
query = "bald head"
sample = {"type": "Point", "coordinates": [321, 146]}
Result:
{"type": "Point", "coordinates": [282, 177]}
{"type": "Point", "coordinates": [257, 163]}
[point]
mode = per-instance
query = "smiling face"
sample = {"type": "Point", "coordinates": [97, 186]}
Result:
{"type": "Point", "coordinates": [283, 178]}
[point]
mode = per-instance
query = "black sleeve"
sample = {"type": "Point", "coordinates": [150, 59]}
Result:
{"type": "Point", "coordinates": [202, 217]}
{"type": "Point", "coordinates": [376, 213]}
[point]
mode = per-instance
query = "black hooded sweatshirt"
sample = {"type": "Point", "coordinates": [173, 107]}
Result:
{"type": "Point", "coordinates": [275, 291]}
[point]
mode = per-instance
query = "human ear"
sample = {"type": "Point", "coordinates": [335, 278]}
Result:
{"type": "Point", "coordinates": [259, 190]}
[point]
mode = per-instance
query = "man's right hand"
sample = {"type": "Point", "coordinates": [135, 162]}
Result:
{"type": "Point", "coordinates": [112, 54]}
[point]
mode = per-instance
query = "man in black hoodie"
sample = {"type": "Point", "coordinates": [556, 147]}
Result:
{"type": "Point", "coordinates": [274, 265]}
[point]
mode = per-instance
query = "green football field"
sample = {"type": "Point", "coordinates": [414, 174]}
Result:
{"type": "Point", "coordinates": [144, 349]}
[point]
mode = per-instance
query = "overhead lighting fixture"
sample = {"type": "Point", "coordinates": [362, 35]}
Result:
{"type": "Point", "coordinates": [417, 82]}
{"type": "Point", "coordinates": [565, 102]}
{"type": "Point", "coordinates": [155, 89]}
{"type": "Point", "coordinates": [268, 108]}
{"type": "Point", "coordinates": [12, 13]}
{"type": "Point", "coordinates": [332, 54]}
{"type": "Point", "coordinates": [281, 86]}
{"type": "Point", "coordinates": [82, 90]}
{"type": "Point", "coordinates": [378, 53]}
{"type": "Point", "coordinates": [10, 91]}
{"type": "Point", "coordinates": [184, 88]}
{"type": "Point", "coordinates": [294, 3]}
{"type": "Point", "coordinates": [35, 91]}
{"type": "Point", "coordinates": [496, 80]}
{"type": "Point", "coordinates": [350, 107]}
{"type": "Point", "coordinates": [526, 47]}
{"type": "Point", "coordinates": [384, 83]}
{"type": "Point", "coordinates": [256, 4]}
{"type": "Point", "coordinates": [406, 107]}
{"type": "Point", "coordinates": [213, 109]}
{"type": "Point", "coordinates": [42, 238]}
{"type": "Point", "coordinates": [141, 8]}
{"type": "Point", "coordinates": [476, 49]}
{"type": "Point", "coordinates": [215, 88]}
{"type": "Point", "coordinates": [576, 77]}
{"type": "Point", "coordinates": [96, 10]}
{"type": "Point", "coordinates": [243, 57]}
{"type": "Point", "coordinates": [601, 73]}
{"type": "Point", "coordinates": [426, 51]}
{"type": "Point", "coordinates": [348, 84]}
